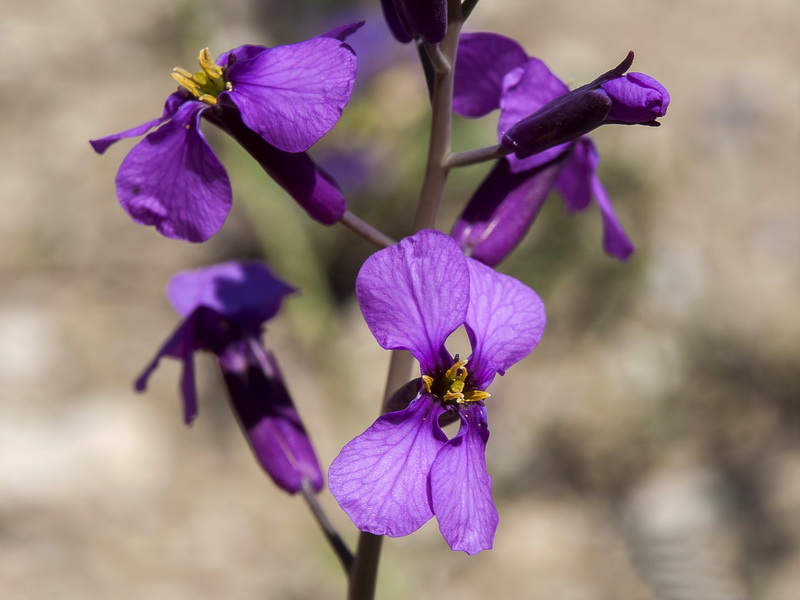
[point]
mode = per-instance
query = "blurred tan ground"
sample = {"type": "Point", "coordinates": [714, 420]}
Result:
{"type": "Point", "coordinates": [648, 448]}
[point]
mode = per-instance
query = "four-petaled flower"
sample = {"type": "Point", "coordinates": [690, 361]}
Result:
{"type": "Point", "coordinates": [276, 102]}
{"type": "Point", "coordinates": [544, 124]}
{"type": "Point", "coordinates": [224, 308]}
{"type": "Point", "coordinates": [403, 469]}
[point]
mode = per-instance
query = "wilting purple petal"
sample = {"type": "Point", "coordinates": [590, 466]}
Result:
{"type": "Point", "coordinates": [414, 294]}
{"type": "Point", "coordinates": [181, 345]}
{"type": "Point", "coordinates": [503, 209]}
{"type": "Point", "coordinates": [380, 478]}
{"type": "Point", "coordinates": [269, 420]}
{"type": "Point", "coordinates": [246, 293]}
{"type": "Point", "coordinates": [293, 95]}
{"type": "Point", "coordinates": [482, 62]}
{"type": "Point", "coordinates": [173, 181]}
{"type": "Point", "coordinates": [461, 489]}
{"type": "Point", "coordinates": [174, 101]}
{"type": "Point", "coordinates": [505, 322]}
{"type": "Point", "coordinates": [638, 98]}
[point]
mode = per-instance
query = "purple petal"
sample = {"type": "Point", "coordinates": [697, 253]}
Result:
{"type": "Point", "coordinates": [293, 95]}
{"type": "Point", "coordinates": [525, 91]}
{"type": "Point", "coordinates": [269, 419]}
{"type": "Point", "coordinates": [380, 478]}
{"type": "Point", "coordinates": [245, 52]}
{"type": "Point", "coordinates": [174, 101]}
{"type": "Point", "coordinates": [414, 294]}
{"type": "Point", "coordinates": [173, 180]}
{"type": "Point", "coordinates": [579, 182]}
{"type": "Point", "coordinates": [181, 345]}
{"type": "Point", "coordinates": [343, 32]}
{"type": "Point", "coordinates": [244, 292]}
{"type": "Point", "coordinates": [505, 321]}
{"type": "Point", "coordinates": [502, 210]}
{"type": "Point", "coordinates": [574, 182]}
{"type": "Point", "coordinates": [482, 62]}
{"type": "Point", "coordinates": [461, 489]}
{"type": "Point", "coordinates": [638, 98]}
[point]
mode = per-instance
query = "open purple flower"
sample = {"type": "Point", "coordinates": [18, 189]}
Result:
{"type": "Point", "coordinates": [403, 470]}
{"type": "Point", "coordinates": [544, 124]}
{"type": "Point", "coordinates": [224, 308]}
{"type": "Point", "coordinates": [277, 102]}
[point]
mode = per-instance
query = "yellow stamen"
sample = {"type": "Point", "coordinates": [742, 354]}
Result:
{"type": "Point", "coordinates": [207, 83]}
{"type": "Point", "coordinates": [450, 387]}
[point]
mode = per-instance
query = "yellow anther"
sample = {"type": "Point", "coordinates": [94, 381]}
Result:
{"type": "Point", "coordinates": [428, 380]}
{"type": "Point", "coordinates": [207, 64]}
{"type": "Point", "coordinates": [457, 372]}
{"type": "Point", "coordinates": [207, 83]}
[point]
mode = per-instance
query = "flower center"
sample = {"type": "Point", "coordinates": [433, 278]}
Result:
{"type": "Point", "coordinates": [450, 387]}
{"type": "Point", "coordinates": [207, 83]}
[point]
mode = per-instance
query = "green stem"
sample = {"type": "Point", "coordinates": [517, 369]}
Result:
{"type": "Point", "coordinates": [474, 157]}
{"type": "Point", "coordinates": [365, 230]}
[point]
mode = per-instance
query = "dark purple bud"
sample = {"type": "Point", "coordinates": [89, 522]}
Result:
{"type": "Point", "coordinates": [408, 19]}
{"type": "Point", "coordinates": [268, 417]}
{"type": "Point", "coordinates": [564, 119]}
{"type": "Point", "coordinates": [503, 209]}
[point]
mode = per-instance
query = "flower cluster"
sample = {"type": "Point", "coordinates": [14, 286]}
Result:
{"type": "Point", "coordinates": [408, 466]}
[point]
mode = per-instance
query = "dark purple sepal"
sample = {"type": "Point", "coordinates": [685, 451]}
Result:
{"type": "Point", "coordinates": [502, 210]}
{"type": "Point", "coordinates": [306, 182]}
{"type": "Point", "coordinates": [562, 120]}
{"type": "Point", "coordinates": [268, 418]}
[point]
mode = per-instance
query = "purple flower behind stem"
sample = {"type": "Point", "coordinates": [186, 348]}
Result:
{"type": "Point", "coordinates": [224, 308]}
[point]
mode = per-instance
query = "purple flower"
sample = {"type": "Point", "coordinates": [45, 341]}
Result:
{"type": "Point", "coordinates": [404, 469]}
{"type": "Point", "coordinates": [277, 102]}
{"type": "Point", "coordinates": [408, 19]}
{"type": "Point", "coordinates": [540, 116]}
{"type": "Point", "coordinates": [224, 308]}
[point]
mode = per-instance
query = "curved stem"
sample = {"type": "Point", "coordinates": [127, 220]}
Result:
{"type": "Point", "coordinates": [334, 539]}
{"type": "Point", "coordinates": [474, 157]}
{"type": "Point", "coordinates": [365, 230]}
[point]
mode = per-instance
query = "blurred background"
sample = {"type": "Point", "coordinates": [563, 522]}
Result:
{"type": "Point", "coordinates": [647, 449]}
